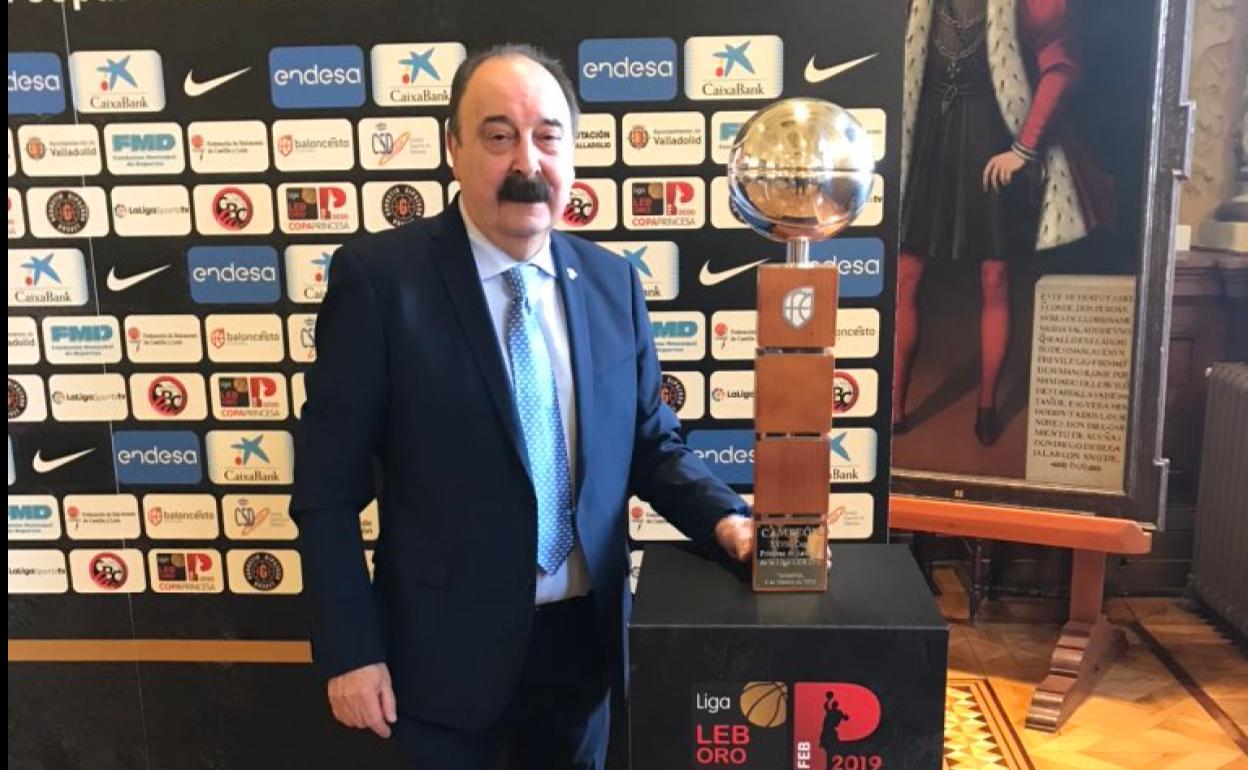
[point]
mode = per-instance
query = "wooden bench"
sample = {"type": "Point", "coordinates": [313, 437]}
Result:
{"type": "Point", "coordinates": [1088, 643]}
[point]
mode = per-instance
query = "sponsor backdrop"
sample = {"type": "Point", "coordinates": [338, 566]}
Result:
{"type": "Point", "coordinates": [180, 175]}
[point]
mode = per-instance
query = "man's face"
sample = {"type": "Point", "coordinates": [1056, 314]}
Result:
{"type": "Point", "coordinates": [513, 158]}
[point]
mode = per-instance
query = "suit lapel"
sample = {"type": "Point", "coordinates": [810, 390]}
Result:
{"type": "Point", "coordinates": [459, 274]}
{"type": "Point", "coordinates": [568, 269]}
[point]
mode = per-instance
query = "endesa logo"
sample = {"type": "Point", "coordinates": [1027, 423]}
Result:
{"type": "Point", "coordinates": [232, 275]}
{"type": "Point", "coordinates": [36, 84]}
{"type": "Point", "coordinates": [859, 262]}
{"type": "Point", "coordinates": [636, 69]}
{"type": "Point", "coordinates": [157, 457]}
{"type": "Point", "coordinates": [728, 453]}
{"type": "Point", "coordinates": [307, 77]}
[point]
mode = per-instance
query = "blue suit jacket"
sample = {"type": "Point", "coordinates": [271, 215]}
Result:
{"type": "Point", "coordinates": [409, 379]}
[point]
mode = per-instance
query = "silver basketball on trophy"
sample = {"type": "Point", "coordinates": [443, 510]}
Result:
{"type": "Point", "coordinates": [800, 170]}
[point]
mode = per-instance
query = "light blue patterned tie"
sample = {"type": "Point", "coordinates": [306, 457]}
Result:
{"type": "Point", "coordinates": [537, 401]}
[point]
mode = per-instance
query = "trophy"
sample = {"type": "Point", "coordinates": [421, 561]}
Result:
{"type": "Point", "coordinates": [799, 171]}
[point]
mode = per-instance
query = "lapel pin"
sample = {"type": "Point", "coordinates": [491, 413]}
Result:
{"type": "Point", "coordinates": [571, 274]}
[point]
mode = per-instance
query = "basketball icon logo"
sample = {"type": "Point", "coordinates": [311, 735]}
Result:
{"type": "Point", "coordinates": [765, 704]}
{"type": "Point", "coordinates": [799, 306]}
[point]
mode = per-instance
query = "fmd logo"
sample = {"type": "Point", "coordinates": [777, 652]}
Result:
{"type": "Point", "coordinates": [630, 69]}
{"type": "Point", "coordinates": [728, 453]}
{"type": "Point", "coordinates": [859, 262]}
{"type": "Point", "coordinates": [679, 336]}
{"type": "Point", "coordinates": [144, 148]}
{"type": "Point", "coordinates": [157, 457]}
{"type": "Point", "coordinates": [143, 142]}
{"type": "Point", "coordinates": [82, 339]}
{"type": "Point", "coordinates": [36, 84]}
{"type": "Point", "coordinates": [303, 77]}
{"type": "Point", "coordinates": [34, 517]}
{"type": "Point", "coordinates": [233, 275]}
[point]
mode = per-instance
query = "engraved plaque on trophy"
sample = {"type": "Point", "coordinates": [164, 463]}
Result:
{"type": "Point", "coordinates": [799, 171]}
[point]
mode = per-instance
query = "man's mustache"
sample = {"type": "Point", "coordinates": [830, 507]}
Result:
{"type": "Point", "coordinates": [519, 189]}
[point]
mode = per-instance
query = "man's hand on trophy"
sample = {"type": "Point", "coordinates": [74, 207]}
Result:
{"type": "Point", "coordinates": [735, 534]}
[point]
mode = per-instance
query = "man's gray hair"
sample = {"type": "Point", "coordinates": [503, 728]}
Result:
{"type": "Point", "coordinates": [459, 83]}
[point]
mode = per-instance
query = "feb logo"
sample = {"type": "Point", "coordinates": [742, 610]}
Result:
{"type": "Point", "coordinates": [739, 724]}
{"type": "Point", "coordinates": [828, 718]}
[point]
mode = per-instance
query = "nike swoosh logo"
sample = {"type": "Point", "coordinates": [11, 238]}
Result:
{"type": "Point", "coordinates": [816, 75]}
{"type": "Point", "coordinates": [47, 466]}
{"type": "Point", "coordinates": [194, 89]}
{"type": "Point", "coordinates": [710, 279]}
{"type": "Point", "coordinates": [121, 284]}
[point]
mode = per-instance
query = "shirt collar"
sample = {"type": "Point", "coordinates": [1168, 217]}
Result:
{"type": "Point", "coordinates": [493, 261]}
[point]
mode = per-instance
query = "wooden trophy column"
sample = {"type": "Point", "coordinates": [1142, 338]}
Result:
{"type": "Point", "coordinates": [793, 385]}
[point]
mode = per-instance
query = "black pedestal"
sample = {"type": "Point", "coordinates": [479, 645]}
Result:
{"type": "Point", "coordinates": [722, 677]}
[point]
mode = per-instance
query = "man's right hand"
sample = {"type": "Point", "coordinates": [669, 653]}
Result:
{"type": "Point", "coordinates": [363, 698]}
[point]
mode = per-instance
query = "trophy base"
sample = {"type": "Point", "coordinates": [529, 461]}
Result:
{"type": "Point", "coordinates": [790, 553]}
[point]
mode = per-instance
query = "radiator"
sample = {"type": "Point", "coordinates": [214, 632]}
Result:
{"type": "Point", "coordinates": [1219, 576]}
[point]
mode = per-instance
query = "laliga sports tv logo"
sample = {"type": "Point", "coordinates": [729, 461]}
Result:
{"type": "Point", "coordinates": [798, 306]}
{"type": "Point", "coordinates": [582, 205]}
{"type": "Point", "coordinates": [827, 717]}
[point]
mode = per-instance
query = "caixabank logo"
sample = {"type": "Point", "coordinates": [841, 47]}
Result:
{"type": "Point", "coordinates": [830, 720]}
{"type": "Point", "coordinates": [117, 81]}
{"type": "Point", "coordinates": [740, 725]}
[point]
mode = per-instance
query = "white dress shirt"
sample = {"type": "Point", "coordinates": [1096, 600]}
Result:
{"type": "Point", "coordinates": [572, 578]}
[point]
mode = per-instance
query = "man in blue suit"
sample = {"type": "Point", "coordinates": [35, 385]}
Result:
{"type": "Point", "coordinates": [504, 378]}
